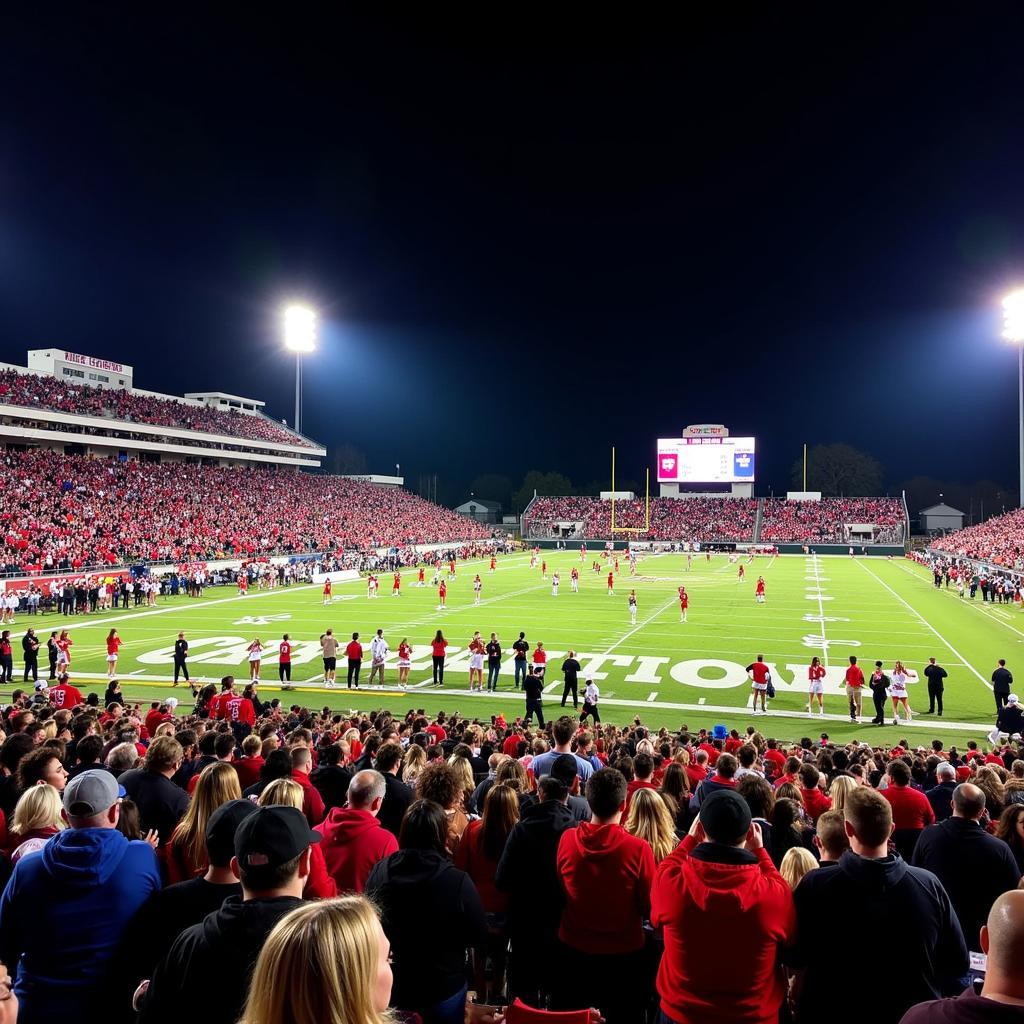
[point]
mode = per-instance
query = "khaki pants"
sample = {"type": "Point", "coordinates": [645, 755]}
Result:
{"type": "Point", "coordinates": [854, 694]}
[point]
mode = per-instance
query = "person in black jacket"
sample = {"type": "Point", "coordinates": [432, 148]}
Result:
{"type": "Point", "coordinates": [397, 795]}
{"type": "Point", "coordinates": [51, 653]}
{"type": "Point", "coordinates": [30, 654]}
{"type": "Point", "coordinates": [533, 687]}
{"type": "Point", "coordinates": [935, 674]}
{"type": "Point", "coordinates": [180, 657]}
{"type": "Point", "coordinates": [160, 802]}
{"type": "Point", "coordinates": [882, 893]}
{"type": "Point", "coordinates": [571, 671]}
{"type": "Point", "coordinates": [1010, 718]}
{"type": "Point", "coordinates": [940, 796]}
{"type": "Point", "coordinates": [879, 683]}
{"type": "Point", "coordinates": [974, 867]}
{"type": "Point", "coordinates": [1002, 683]}
{"type": "Point", "coordinates": [528, 872]}
{"type": "Point", "coordinates": [417, 889]}
{"type": "Point", "coordinates": [330, 778]}
{"type": "Point", "coordinates": [215, 959]}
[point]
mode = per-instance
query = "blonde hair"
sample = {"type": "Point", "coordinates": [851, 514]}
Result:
{"type": "Point", "coordinates": [282, 793]}
{"type": "Point", "coordinates": [842, 786]}
{"type": "Point", "coordinates": [650, 820]}
{"type": "Point", "coordinates": [413, 763]}
{"type": "Point", "coordinates": [38, 807]}
{"type": "Point", "coordinates": [218, 783]}
{"type": "Point", "coordinates": [797, 862]}
{"type": "Point", "coordinates": [319, 966]}
{"type": "Point", "coordinates": [463, 775]}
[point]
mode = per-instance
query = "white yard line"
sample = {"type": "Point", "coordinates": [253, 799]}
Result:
{"type": "Point", "coordinates": [915, 612]}
{"type": "Point", "coordinates": [625, 636]}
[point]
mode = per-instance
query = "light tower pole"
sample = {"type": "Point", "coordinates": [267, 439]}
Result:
{"type": "Point", "coordinates": [300, 338]}
{"type": "Point", "coordinates": [1013, 331]}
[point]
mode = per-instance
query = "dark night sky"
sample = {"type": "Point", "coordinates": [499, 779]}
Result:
{"type": "Point", "coordinates": [532, 240]}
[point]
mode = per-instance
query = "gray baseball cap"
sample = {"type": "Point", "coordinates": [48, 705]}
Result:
{"type": "Point", "coordinates": [91, 793]}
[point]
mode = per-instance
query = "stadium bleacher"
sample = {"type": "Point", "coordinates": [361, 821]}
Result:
{"type": "Point", "coordinates": [999, 540]}
{"type": "Point", "coordinates": [70, 511]}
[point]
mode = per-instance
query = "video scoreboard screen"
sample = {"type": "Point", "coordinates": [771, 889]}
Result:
{"type": "Point", "coordinates": [705, 460]}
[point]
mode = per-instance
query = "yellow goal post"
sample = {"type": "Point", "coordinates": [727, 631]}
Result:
{"type": "Point", "coordinates": [647, 505]}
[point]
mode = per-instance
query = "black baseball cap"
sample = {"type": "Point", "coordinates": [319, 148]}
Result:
{"type": "Point", "coordinates": [221, 829]}
{"type": "Point", "coordinates": [725, 817]}
{"type": "Point", "coordinates": [272, 837]}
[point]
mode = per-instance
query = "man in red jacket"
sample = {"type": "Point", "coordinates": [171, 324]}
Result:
{"type": "Point", "coordinates": [353, 839]}
{"type": "Point", "coordinates": [312, 803]}
{"type": "Point", "coordinates": [720, 884]}
{"type": "Point", "coordinates": [606, 874]}
{"type": "Point", "coordinates": [911, 809]}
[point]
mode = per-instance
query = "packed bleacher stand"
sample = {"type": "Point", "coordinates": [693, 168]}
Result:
{"type": "Point", "coordinates": [42, 392]}
{"type": "Point", "coordinates": [68, 511]}
{"type": "Point", "coordinates": [825, 521]}
{"type": "Point", "coordinates": [684, 519]}
{"type": "Point", "coordinates": [999, 540]}
{"type": "Point", "coordinates": [744, 853]}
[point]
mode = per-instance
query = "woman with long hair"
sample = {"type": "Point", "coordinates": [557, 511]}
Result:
{"type": "Point", "coordinates": [324, 963]}
{"type": "Point", "coordinates": [788, 828]}
{"type": "Point", "coordinates": [1011, 830]}
{"type": "Point", "coordinates": [796, 863]}
{"type": "Point", "coordinates": [898, 692]}
{"type": "Point", "coordinates": [650, 820]}
{"type": "Point", "coordinates": [418, 884]}
{"type": "Point", "coordinates": [113, 694]}
{"type": "Point", "coordinates": [113, 646]}
{"type": "Point", "coordinates": [816, 686]}
{"type": "Point", "coordinates": [675, 791]}
{"type": "Point", "coordinates": [987, 779]}
{"type": "Point", "coordinates": [288, 793]}
{"type": "Point", "coordinates": [404, 662]}
{"type": "Point", "coordinates": [255, 650]}
{"type": "Point", "coordinates": [440, 784]}
{"type": "Point", "coordinates": [464, 774]}
{"type": "Point", "coordinates": [186, 851]}
{"type": "Point", "coordinates": [478, 854]}
{"type": "Point", "coordinates": [413, 763]}
{"type": "Point", "coordinates": [437, 651]}
{"type": "Point", "coordinates": [36, 817]}
{"type": "Point", "coordinates": [842, 786]}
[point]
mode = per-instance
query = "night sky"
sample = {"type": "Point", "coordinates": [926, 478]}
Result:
{"type": "Point", "coordinates": [532, 239]}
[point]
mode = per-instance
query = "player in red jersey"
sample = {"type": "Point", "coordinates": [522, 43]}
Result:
{"type": "Point", "coordinates": [451, 568]}
{"type": "Point", "coordinates": [421, 579]}
{"type": "Point", "coordinates": [396, 586]}
{"type": "Point", "coordinates": [574, 580]}
{"type": "Point", "coordinates": [327, 590]}
{"type": "Point", "coordinates": [611, 583]}
{"type": "Point", "coordinates": [816, 686]}
{"type": "Point", "coordinates": [284, 662]}
{"type": "Point", "coordinates": [759, 590]}
{"type": "Point", "coordinates": [64, 695]}
{"type": "Point", "coordinates": [684, 603]}
{"type": "Point", "coordinates": [616, 563]}
{"type": "Point", "coordinates": [442, 595]}
{"type": "Point", "coordinates": [759, 677]}
{"type": "Point", "coordinates": [544, 570]}
{"type": "Point", "coordinates": [243, 584]}
{"type": "Point", "coordinates": [494, 564]}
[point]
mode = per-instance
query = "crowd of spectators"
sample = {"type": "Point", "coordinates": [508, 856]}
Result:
{"type": "Point", "coordinates": [999, 540]}
{"type": "Point", "coordinates": [65, 512]}
{"type": "Point", "coordinates": [36, 391]}
{"type": "Point", "coordinates": [704, 520]}
{"type": "Point", "coordinates": [159, 859]}
{"type": "Point", "coordinates": [827, 520]}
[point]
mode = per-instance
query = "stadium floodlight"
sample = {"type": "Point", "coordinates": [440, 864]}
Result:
{"type": "Point", "coordinates": [1013, 331]}
{"type": "Point", "coordinates": [300, 338]}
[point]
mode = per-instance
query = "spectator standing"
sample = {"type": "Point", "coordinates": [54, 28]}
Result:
{"type": "Point", "coordinates": [1002, 684]}
{"type": "Point", "coordinates": [974, 867]}
{"type": "Point", "coordinates": [65, 910]}
{"type": "Point", "coordinates": [217, 956]}
{"type": "Point", "coordinates": [160, 802]}
{"type": "Point", "coordinates": [562, 732]}
{"type": "Point", "coordinates": [911, 811]}
{"type": "Point", "coordinates": [606, 874]}
{"type": "Point", "coordinates": [353, 838]}
{"type": "Point", "coordinates": [935, 674]}
{"type": "Point", "coordinates": [940, 796]}
{"type": "Point", "coordinates": [397, 795]}
{"type": "Point", "coordinates": [721, 883]}
{"type": "Point", "coordinates": [882, 892]}
{"type": "Point", "coordinates": [330, 778]}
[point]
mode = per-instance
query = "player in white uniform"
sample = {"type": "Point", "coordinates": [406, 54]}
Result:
{"type": "Point", "coordinates": [554, 585]}
{"type": "Point", "coordinates": [632, 607]}
{"type": "Point", "coordinates": [478, 586]}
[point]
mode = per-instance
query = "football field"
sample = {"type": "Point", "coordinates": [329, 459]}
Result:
{"type": "Point", "coordinates": [666, 671]}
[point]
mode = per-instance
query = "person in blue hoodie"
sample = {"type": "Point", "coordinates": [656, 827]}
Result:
{"type": "Point", "coordinates": [65, 908]}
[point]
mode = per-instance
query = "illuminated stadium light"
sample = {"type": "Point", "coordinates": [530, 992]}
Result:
{"type": "Point", "coordinates": [299, 328]}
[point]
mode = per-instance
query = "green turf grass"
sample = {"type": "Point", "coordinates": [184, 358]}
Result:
{"type": "Point", "coordinates": [666, 671]}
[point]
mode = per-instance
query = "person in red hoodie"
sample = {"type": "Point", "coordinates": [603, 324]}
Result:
{"type": "Point", "coordinates": [248, 766]}
{"type": "Point", "coordinates": [720, 884]}
{"type": "Point", "coordinates": [643, 769]}
{"type": "Point", "coordinates": [353, 839]}
{"type": "Point", "coordinates": [606, 874]}
{"type": "Point", "coordinates": [312, 804]}
{"type": "Point", "coordinates": [814, 798]}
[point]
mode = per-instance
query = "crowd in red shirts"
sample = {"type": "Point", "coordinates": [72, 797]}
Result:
{"type": "Point", "coordinates": [68, 511]}
{"type": "Point", "coordinates": [825, 521]}
{"type": "Point", "coordinates": [999, 540]}
{"type": "Point", "coordinates": [524, 868]}
{"type": "Point", "coordinates": [42, 392]}
{"type": "Point", "coordinates": [672, 519]}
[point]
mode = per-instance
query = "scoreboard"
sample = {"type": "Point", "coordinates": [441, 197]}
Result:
{"type": "Point", "coordinates": [706, 460]}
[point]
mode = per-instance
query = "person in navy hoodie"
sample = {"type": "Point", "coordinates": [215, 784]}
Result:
{"type": "Point", "coordinates": [65, 909]}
